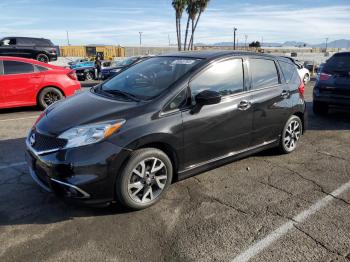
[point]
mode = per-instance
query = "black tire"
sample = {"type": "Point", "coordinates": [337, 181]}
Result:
{"type": "Point", "coordinates": [128, 177]}
{"type": "Point", "coordinates": [48, 96]}
{"type": "Point", "coordinates": [43, 58]}
{"type": "Point", "coordinates": [306, 78]}
{"type": "Point", "coordinates": [320, 108]}
{"type": "Point", "coordinates": [290, 136]}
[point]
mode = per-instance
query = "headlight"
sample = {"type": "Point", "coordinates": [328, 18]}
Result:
{"type": "Point", "coordinates": [89, 134]}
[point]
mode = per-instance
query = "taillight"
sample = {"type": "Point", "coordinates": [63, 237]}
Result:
{"type": "Point", "coordinates": [324, 76]}
{"type": "Point", "coordinates": [302, 88]}
{"type": "Point", "coordinates": [72, 75]}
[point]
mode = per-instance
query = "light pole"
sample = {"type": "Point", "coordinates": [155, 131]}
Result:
{"type": "Point", "coordinates": [68, 38]}
{"type": "Point", "coordinates": [326, 44]}
{"type": "Point", "coordinates": [140, 42]}
{"type": "Point", "coordinates": [234, 38]}
{"type": "Point", "coordinates": [245, 42]}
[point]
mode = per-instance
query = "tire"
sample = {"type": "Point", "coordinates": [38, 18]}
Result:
{"type": "Point", "coordinates": [137, 187]}
{"type": "Point", "coordinates": [42, 58]}
{"type": "Point", "coordinates": [292, 131]}
{"type": "Point", "coordinates": [48, 96]}
{"type": "Point", "coordinates": [320, 108]}
{"type": "Point", "coordinates": [89, 76]}
{"type": "Point", "coordinates": [306, 78]}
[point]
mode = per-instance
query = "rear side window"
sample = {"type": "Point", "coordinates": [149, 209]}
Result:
{"type": "Point", "coordinates": [288, 70]}
{"type": "Point", "coordinates": [338, 63]}
{"type": "Point", "coordinates": [224, 77]}
{"type": "Point", "coordinates": [14, 67]}
{"type": "Point", "coordinates": [264, 73]}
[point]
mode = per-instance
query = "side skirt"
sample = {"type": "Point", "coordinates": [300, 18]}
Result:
{"type": "Point", "coordinates": [217, 162]}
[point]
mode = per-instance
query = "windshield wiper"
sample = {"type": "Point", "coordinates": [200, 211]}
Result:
{"type": "Point", "coordinates": [125, 94]}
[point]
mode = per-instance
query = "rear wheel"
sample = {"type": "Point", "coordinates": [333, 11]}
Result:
{"type": "Point", "coordinates": [306, 78]}
{"type": "Point", "coordinates": [48, 96]}
{"type": "Point", "coordinates": [43, 58]}
{"type": "Point", "coordinates": [144, 179]}
{"type": "Point", "coordinates": [291, 134]}
{"type": "Point", "coordinates": [319, 108]}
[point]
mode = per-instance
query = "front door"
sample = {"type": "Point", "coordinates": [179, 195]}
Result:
{"type": "Point", "coordinates": [223, 129]}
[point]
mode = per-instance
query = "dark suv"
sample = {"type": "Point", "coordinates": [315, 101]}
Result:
{"type": "Point", "coordinates": [40, 49]}
{"type": "Point", "coordinates": [333, 84]}
{"type": "Point", "coordinates": [165, 119]}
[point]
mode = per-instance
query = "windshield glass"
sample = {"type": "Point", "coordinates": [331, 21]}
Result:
{"type": "Point", "coordinates": [338, 63]}
{"type": "Point", "coordinates": [148, 79]}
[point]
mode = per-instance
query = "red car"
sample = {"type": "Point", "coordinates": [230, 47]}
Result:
{"type": "Point", "coordinates": [26, 82]}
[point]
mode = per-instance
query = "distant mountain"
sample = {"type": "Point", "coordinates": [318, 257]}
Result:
{"type": "Point", "coordinates": [341, 43]}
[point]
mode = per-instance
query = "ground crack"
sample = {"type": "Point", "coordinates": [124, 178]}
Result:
{"type": "Point", "coordinates": [318, 242]}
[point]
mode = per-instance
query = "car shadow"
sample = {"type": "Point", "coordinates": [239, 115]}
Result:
{"type": "Point", "coordinates": [20, 110]}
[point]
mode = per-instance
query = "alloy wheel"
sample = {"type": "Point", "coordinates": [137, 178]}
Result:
{"type": "Point", "coordinates": [51, 97]}
{"type": "Point", "coordinates": [147, 180]}
{"type": "Point", "coordinates": [43, 58]}
{"type": "Point", "coordinates": [292, 135]}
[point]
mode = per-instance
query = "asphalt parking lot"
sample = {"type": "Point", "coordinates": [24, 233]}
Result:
{"type": "Point", "coordinates": [266, 207]}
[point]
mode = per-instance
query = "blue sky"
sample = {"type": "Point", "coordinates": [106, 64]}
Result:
{"type": "Point", "coordinates": [119, 21]}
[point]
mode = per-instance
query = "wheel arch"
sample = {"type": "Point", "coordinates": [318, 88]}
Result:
{"type": "Point", "coordinates": [301, 115]}
{"type": "Point", "coordinates": [47, 86]}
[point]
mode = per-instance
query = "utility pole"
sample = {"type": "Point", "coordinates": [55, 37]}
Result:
{"type": "Point", "coordinates": [68, 38]}
{"type": "Point", "coordinates": [326, 44]}
{"type": "Point", "coordinates": [140, 42]}
{"type": "Point", "coordinates": [262, 41]}
{"type": "Point", "coordinates": [234, 38]}
{"type": "Point", "coordinates": [245, 42]}
{"type": "Point", "coordinates": [169, 40]}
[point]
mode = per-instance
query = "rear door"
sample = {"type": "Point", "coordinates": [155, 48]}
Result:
{"type": "Point", "coordinates": [270, 100]}
{"type": "Point", "coordinates": [20, 83]}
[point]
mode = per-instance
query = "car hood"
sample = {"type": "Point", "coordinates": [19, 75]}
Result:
{"type": "Point", "coordinates": [80, 109]}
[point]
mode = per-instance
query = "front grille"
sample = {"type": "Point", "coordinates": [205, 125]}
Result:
{"type": "Point", "coordinates": [45, 142]}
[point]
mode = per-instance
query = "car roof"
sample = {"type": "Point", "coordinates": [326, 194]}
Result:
{"type": "Point", "coordinates": [25, 37]}
{"type": "Point", "coordinates": [31, 61]}
{"type": "Point", "coordinates": [214, 54]}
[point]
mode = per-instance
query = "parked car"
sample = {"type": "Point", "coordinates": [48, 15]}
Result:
{"type": "Point", "coordinates": [304, 73]}
{"type": "Point", "coordinates": [118, 66]}
{"type": "Point", "coordinates": [89, 72]}
{"type": "Point", "coordinates": [39, 49]}
{"type": "Point", "coordinates": [165, 119]}
{"type": "Point", "coordinates": [26, 82]}
{"type": "Point", "coordinates": [332, 87]}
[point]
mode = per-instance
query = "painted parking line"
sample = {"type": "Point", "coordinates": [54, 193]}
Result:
{"type": "Point", "coordinates": [19, 118]}
{"type": "Point", "coordinates": [267, 241]}
{"type": "Point", "coordinates": [12, 165]}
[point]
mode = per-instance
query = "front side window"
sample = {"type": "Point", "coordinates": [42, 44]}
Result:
{"type": "Point", "coordinates": [14, 67]}
{"type": "Point", "coordinates": [177, 102]}
{"type": "Point", "coordinates": [225, 77]}
{"type": "Point", "coordinates": [263, 72]}
{"type": "Point", "coordinates": [150, 78]}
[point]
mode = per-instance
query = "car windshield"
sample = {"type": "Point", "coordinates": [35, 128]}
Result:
{"type": "Point", "coordinates": [338, 63]}
{"type": "Point", "coordinates": [148, 79]}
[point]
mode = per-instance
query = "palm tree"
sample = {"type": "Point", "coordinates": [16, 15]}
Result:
{"type": "Point", "coordinates": [179, 6]}
{"type": "Point", "coordinates": [201, 6]}
{"type": "Point", "coordinates": [191, 11]}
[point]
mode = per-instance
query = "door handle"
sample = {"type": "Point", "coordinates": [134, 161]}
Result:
{"type": "Point", "coordinates": [285, 94]}
{"type": "Point", "coordinates": [244, 105]}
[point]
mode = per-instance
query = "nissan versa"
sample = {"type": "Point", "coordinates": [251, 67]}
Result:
{"type": "Point", "coordinates": [165, 119]}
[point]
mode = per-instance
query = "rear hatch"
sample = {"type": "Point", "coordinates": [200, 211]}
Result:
{"type": "Point", "coordinates": [335, 76]}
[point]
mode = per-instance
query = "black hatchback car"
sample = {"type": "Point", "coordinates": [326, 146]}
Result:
{"type": "Point", "coordinates": [40, 49]}
{"type": "Point", "coordinates": [165, 119]}
{"type": "Point", "coordinates": [333, 84]}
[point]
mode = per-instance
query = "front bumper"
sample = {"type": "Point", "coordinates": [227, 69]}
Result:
{"type": "Point", "coordinates": [84, 175]}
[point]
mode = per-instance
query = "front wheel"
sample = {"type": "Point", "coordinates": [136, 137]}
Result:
{"type": "Point", "coordinates": [291, 134]}
{"type": "Point", "coordinates": [144, 179]}
{"type": "Point", "coordinates": [48, 96]}
{"type": "Point", "coordinates": [89, 76]}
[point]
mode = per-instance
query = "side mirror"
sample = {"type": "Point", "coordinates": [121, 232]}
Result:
{"type": "Point", "coordinates": [207, 97]}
